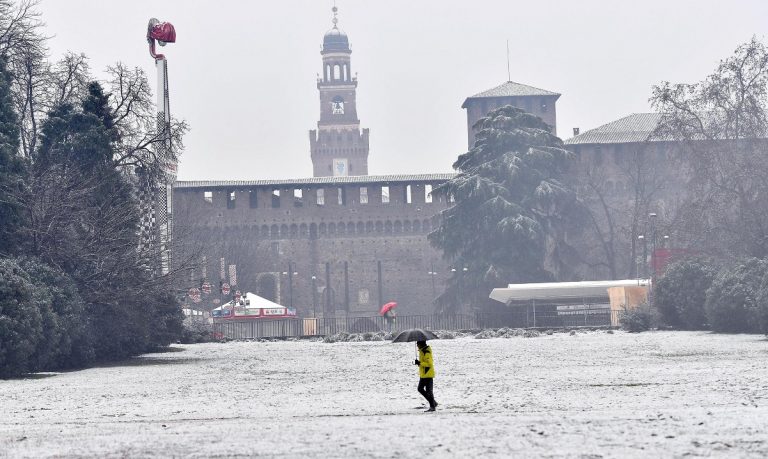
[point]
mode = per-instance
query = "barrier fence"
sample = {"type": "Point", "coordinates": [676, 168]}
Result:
{"type": "Point", "coordinates": [323, 326]}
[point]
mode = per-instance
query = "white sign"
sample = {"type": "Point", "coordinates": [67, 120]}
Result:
{"type": "Point", "coordinates": [273, 312]}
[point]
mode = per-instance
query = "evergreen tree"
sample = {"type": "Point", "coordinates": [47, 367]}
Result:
{"type": "Point", "coordinates": [11, 167]}
{"type": "Point", "coordinates": [511, 209]}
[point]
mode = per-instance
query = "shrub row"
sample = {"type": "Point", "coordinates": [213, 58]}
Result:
{"type": "Point", "coordinates": [695, 295]}
{"type": "Point", "coordinates": [46, 325]}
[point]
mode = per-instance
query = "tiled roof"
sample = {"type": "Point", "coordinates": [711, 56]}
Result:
{"type": "Point", "coordinates": [636, 127]}
{"type": "Point", "coordinates": [317, 180]}
{"type": "Point", "coordinates": [512, 89]}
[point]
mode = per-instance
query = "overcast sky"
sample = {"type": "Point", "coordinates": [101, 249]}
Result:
{"type": "Point", "coordinates": [243, 73]}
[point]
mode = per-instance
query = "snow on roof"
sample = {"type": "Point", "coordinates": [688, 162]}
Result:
{"type": "Point", "coordinates": [561, 290]}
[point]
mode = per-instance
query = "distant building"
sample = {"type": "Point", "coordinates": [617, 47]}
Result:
{"type": "Point", "coordinates": [632, 181]}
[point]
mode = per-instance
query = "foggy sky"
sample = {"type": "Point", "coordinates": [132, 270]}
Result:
{"type": "Point", "coordinates": [243, 73]}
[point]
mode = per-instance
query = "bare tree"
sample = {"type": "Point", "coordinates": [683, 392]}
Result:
{"type": "Point", "coordinates": [722, 125]}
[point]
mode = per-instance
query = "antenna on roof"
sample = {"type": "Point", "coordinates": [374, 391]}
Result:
{"type": "Point", "coordinates": [509, 76]}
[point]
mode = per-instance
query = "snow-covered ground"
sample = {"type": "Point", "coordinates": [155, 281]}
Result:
{"type": "Point", "coordinates": [585, 395]}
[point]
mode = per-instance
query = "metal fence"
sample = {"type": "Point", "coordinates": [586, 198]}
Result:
{"type": "Point", "coordinates": [322, 326]}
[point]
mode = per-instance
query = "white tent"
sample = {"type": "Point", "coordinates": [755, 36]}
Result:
{"type": "Point", "coordinates": [561, 290]}
{"type": "Point", "coordinates": [252, 301]}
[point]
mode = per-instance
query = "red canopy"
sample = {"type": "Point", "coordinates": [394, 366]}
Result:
{"type": "Point", "coordinates": [387, 307]}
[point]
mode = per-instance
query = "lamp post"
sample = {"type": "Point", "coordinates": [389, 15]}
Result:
{"type": "Point", "coordinates": [652, 217]}
{"type": "Point", "coordinates": [461, 272]}
{"type": "Point", "coordinates": [314, 296]}
{"type": "Point", "coordinates": [290, 273]}
{"type": "Point", "coordinates": [432, 275]}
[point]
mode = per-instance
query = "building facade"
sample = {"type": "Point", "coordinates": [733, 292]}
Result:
{"type": "Point", "coordinates": [340, 243]}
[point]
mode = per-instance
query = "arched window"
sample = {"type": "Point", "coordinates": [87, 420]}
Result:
{"type": "Point", "coordinates": [407, 226]}
{"type": "Point", "coordinates": [379, 227]}
{"type": "Point", "coordinates": [360, 227]}
{"type": "Point", "coordinates": [398, 227]}
{"type": "Point", "coordinates": [350, 228]}
{"type": "Point", "coordinates": [388, 227]}
{"type": "Point", "coordinates": [332, 228]}
{"type": "Point", "coordinates": [322, 229]}
{"type": "Point", "coordinates": [284, 231]}
{"type": "Point", "coordinates": [336, 72]}
{"type": "Point", "coordinates": [274, 232]}
{"type": "Point", "coordinates": [303, 230]}
{"type": "Point", "coordinates": [264, 231]}
{"type": "Point", "coordinates": [346, 75]}
{"type": "Point", "coordinates": [369, 227]}
{"type": "Point", "coordinates": [416, 226]}
{"type": "Point", "coordinates": [294, 230]}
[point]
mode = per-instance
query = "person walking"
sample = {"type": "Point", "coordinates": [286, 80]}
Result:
{"type": "Point", "coordinates": [426, 373]}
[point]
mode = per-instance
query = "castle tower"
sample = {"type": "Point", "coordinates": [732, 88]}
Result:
{"type": "Point", "coordinates": [338, 147]}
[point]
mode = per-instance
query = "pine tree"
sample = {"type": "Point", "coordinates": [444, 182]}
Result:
{"type": "Point", "coordinates": [11, 167]}
{"type": "Point", "coordinates": [510, 209]}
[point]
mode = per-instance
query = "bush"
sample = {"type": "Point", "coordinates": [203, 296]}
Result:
{"type": "Point", "coordinates": [196, 330]}
{"type": "Point", "coordinates": [762, 305]}
{"type": "Point", "coordinates": [21, 324]}
{"type": "Point", "coordinates": [637, 319]}
{"type": "Point", "coordinates": [681, 293]}
{"type": "Point", "coordinates": [65, 343]}
{"type": "Point", "coordinates": [732, 300]}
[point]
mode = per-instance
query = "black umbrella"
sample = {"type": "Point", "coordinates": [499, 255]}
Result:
{"type": "Point", "coordinates": [414, 334]}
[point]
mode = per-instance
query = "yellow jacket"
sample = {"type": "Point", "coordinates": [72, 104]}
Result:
{"type": "Point", "coordinates": [426, 365]}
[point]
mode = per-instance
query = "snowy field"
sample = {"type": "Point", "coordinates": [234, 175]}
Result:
{"type": "Point", "coordinates": [594, 394]}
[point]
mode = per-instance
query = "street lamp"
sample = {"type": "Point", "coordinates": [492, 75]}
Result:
{"type": "Point", "coordinates": [652, 217]}
{"type": "Point", "coordinates": [290, 273]}
{"type": "Point", "coordinates": [432, 275]}
{"type": "Point", "coordinates": [314, 296]}
{"type": "Point", "coordinates": [461, 273]}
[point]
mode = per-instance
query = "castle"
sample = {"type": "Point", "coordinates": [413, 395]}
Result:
{"type": "Point", "coordinates": [344, 242]}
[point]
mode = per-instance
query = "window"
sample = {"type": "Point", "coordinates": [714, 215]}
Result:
{"type": "Point", "coordinates": [428, 193]}
{"type": "Point", "coordinates": [298, 197]}
{"type": "Point", "coordinates": [321, 197]}
{"type": "Point", "coordinates": [231, 196]}
{"type": "Point", "coordinates": [275, 199]}
{"type": "Point", "coordinates": [253, 203]}
{"type": "Point", "coordinates": [408, 194]}
{"type": "Point", "coordinates": [385, 194]}
{"type": "Point", "coordinates": [342, 196]}
{"type": "Point", "coordinates": [208, 196]}
{"type": "Point", "coordinates": [363, 195]}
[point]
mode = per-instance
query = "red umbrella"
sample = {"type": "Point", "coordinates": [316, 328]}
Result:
{"type": "Point", "coordinates": [387, 307]}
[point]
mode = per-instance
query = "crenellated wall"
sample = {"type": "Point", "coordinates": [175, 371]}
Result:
{"type": "Point", "coordinates": [342, 231]}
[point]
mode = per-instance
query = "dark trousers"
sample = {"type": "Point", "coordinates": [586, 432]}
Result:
{"type": "Point", "coordinates": [425, 389]}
